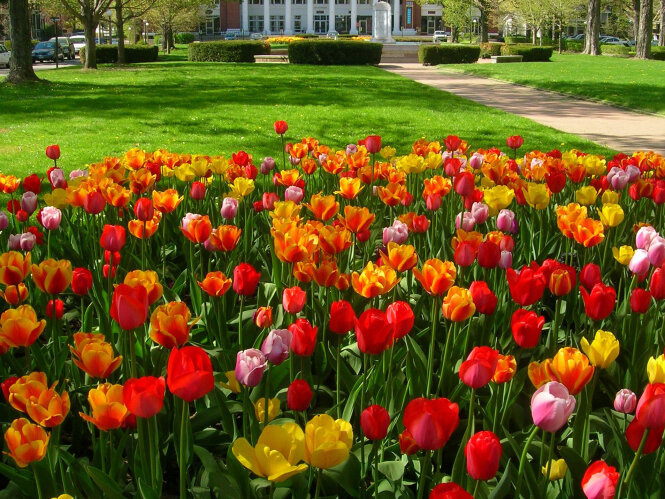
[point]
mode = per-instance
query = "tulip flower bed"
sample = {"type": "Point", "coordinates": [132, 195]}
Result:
{"type": "Point", "coordinates": [335, 323]}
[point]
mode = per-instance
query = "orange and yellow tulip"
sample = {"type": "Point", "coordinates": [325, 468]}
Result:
{"type": "Point", "coordinates": [19, 326]}
{"type": "Point", "coordinates": [166, 201]}
{"type": "Point", "coordinates": [357, 219]}
{"type": "Point", "coordinates": [349, 187]}
{"type": "Point", "coordinates": [26, 442]}
{"type": "Point", "coordinates": [333, 240]}
{"type": "Point", "coordinates": [374, 280]}
{"type": "Point", "coordinates": [323, 207]}
{"type": "Point", "coordinates": [169, 324]}
{"type": "Point", "coordinates": [14, 295]}
{"type": "Point", "coordinates": [571, 368]}
{"type": "Point", "coordinates": [149, 280]}
{"type": "Point", "coordinates": [14, 267]}
{"type": "Point", "coordinates": [588, 232]}
{"type": "Point", "coordinates": [458, 304]}
{"type": "Point", "coordinates": [107, 408]}
{"type": "Point", "coordinates": [52, 276]}
{"type": "Point", "coordinates": [401, 257]}
{"type": "Point", "coordinates": [225, 237]}
{"type": "Point", "coordinates": [436, 277]}
{"type": "Point", "coordinates": [94, 355]}
{"type": "Point", "coordinates": [215, 283]}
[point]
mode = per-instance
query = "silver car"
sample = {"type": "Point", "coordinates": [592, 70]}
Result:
{"type": "Point", "coordinates": [439, 36]}
{"type": "Point", "coordinates": [4, 56]}
{"type": "Point", "coordinates": [78, 41]}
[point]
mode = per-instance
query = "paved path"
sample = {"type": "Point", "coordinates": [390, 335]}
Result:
{"type": "Point", "coordinates": [619, 129]}
{"type": "Point", "coordinates": [45, 65]}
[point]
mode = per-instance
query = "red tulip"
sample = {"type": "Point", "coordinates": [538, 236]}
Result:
{"type": "Point", "coordinates": [144, 209]}
{"type": "Point", "coordinates": [526, 326]}
{"type": "Point", "coordinates": [281, 127]}
{"type": "Point", "coordinates": [94, 203]}
{"type": "Point", "coordinates": [464, 183]}
{"type": "Point", "coordinates": [32, 183]}
{"type": "Point", "coordinates": [373, 143]}
{"type": "Point", "coordinates": [453, 142]}
{"type": "Point", "coordinates": [449, 490]}
{"type": "Point", "coordinates": [483, 297]}
{"type": "Point", "coordinates": [113, 238]}
{"type": "Point", "coordinates": [483, 452]}
{"type": "Point", "coordinates": [299, 395]}
{"type": "Point", "coordinates": [600, 302]}
{"type": "Point", "coordinates": [657, 284]}
{"type": "Point", "coordinates": [430, 422]}
{"type": "Point", "coordinates": [465, 254]}
{"type": "Point", "coordinates": [590, 276]}
{"type": "Point", "coordinates": [556, 181]}
{"type": "Point", "coordinates": [600, 481]}
{"type": "Point", "coordinates": [407, 445]}
{"type": "Point", "coordinates": [53, 152]}
{"type": "Point", "coordinates": [59, 309]}
{"type": "Point", "coordinates": [198, 191]}
{"type": "Point", "coordinates": [489, 255]}
{"type": "Point", "coordinates": [640, 300]}
{"type": "Point", "coordinates": [651, 406]}
{"type": "Point", "coordinates": [401, 318]}
{"type": "Point", "coordinates": [342, 317]}
{"type": "Point", "coordinates": [6, 385]}
{"type": "Point", "coordinates": [527, 287]}
{"type": "Point", "coordinates": [129, 306]}
{"type": "Point", "coordinates": [514, 141]}
{"type": "Point", "coordinates": [293, 300]}
{"type": "Point", "coordinates": [373, 332]}
{"type": "Point", "coordinates": [189, 373]}
{"type": "Point", "coordinates": [245, 279]}
{"type": "Point", "coordinates": [374, 422]}
{"type": "Point", "coordinates": [81, 281]}
{"type": "Point", "coordinates": [258, 206]}
{"type": "Point", "coordinates": [478, 368]}
{"type": "Point", "coordinates": [144, 397]}
{"type": "Point", "coordinates": [303, 340]}
{"type": "Point", "coordinates": [635, 432]}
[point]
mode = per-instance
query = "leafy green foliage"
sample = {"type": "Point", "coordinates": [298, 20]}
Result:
{"type": "Point", "coordinates": [448, 54]}
{"type": "Point", "coordinates": [334, 52]}
{"type": "Point", "coordinates": [227, 51]}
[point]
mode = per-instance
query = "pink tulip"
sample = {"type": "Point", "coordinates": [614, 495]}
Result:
{"type": "Point", "coordinates": [657, 251]}
{"type": "Point", "coordinates": [277, 345]}
{"type": "Point", "coordinates": [398, 233]}
{"type": "Point", "coordinates": [27, 241]}
{"type": "Point", "coordinates": [14, 242]}
{"type": "Point", "coordinates": [551, 406]}
{"type": "Point", "coordinates": [57, 178]}
{"type": "Point", "coordinates": [250, 365]}
{"type": "Point", "coordinates": [633, 173]}
{"type": "Point", "coordinates": [229, 208]}
{"type": "Point", "coordinates": [476, 160]}
{"type": "Point", "coordinates": [51, 217]}
{"type": "Point", "coordinates": [4, 220]}
{"type": "Point", "coordinates": [639, 263]}
{"type": "Point", "coordinates": [506, 260]}
{"type": "Point", "coordinates": [29, 202]}
{"type": "Point", "coordinates": [77, 173]}
{"type": "Point", "coordinates": [294, 193]}
{"type": "Point", "coordinates": [644, 237]}
{"type": "Point", "coordinates": [480, 212]}
{"type": "Point", "coordinates": [625, 401]}
{"type": "Point", "coordinates": [464, 221]}
{"type": "Point", "coordinates": [351, 149]}
{"type": "Point", "coordinates": [504, 221]}
{"type": "Point", "coordinates": [267, 165]}
{"type": "Point", "coordinates": [618, 178]}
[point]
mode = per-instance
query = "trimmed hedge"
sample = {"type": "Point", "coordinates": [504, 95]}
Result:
{"type": "Point", "coordinates": [658, 53]}
{"type": "Point", "coordinates": [573, 46]}
{"type": "Point", "coordinates": [610, 49]}
{"type": "Point", "coordinates": [335, 52]}
{"type": "Point", "coordinates": [184, 38]}
{"type": "Point", "coordinates": [517, 39]}
{"type": "Point", "coordinates": [489, 49]}
{"type": "Point", "coordinates": [226, 51]}
{"type": "Point", "coordinates": [430, 55]}
{"type": "Point", "coordinates": [306, 35]}
{"type": "Point", "coordinates": [529, 53]}
{"type": "Point", "coordinates": [133, 54]}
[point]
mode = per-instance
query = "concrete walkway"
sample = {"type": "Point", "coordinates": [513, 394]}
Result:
{"type": "Point", "coordinates": [619, 129]}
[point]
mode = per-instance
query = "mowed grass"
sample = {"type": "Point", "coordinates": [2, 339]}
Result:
{"type": "Point", "coordinates": [632, 83]}
{"type": "Point", "coordinates": [215, 108]}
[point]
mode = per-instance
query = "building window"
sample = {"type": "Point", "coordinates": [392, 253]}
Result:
{"type": "Point", "coordinates": [342, 2]}
{"type": "Point", "coordinates": [320, 24]}
{"type": "Point", "coordinates": [276, 24]}
{"type": "Point", "coordinates": [297, 24]}
{"type": "Point", "coordinates": [342, 24]}
{"type": "Point", "coordinates": [320, 2]}
{"type": "Point", "coordinates": [277, 2]}
{"type": "Point", "coordinates": [255, 2]}
{"type": "Point", "coordinates": [367, 2]}
{"type": "Point", "coordinates": [256, 24]}
{"type": "Point", "coordinates": [299, 2]}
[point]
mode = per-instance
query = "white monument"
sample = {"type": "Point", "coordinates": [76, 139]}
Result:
{"type": "Point", "coordinates": [381, 30]}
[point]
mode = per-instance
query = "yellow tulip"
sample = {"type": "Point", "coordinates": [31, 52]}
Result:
{"type": "Point", "coordinates": [327, 441]}
{"type": "Point", "coordinates": [411, 164]}
{"type": "Point", "coordinates": [232, 383]}
{"type": "Point", "coordinates": [656, 369]}
{"type": "Point", "coordinates": [387, 152]}
{"type": "Point", "coordinates": [611, 214]}
{"type": "Point", "coordinates": [593, 164]}
{"type": "Point", "coordinates": [184, 173]}
{"type": "Point", "coordinates": [558, 469]}
{"type": "Point", "coordinates": [498, 198]}
{"type": "Point", "coordinates": [57, 198]}
{"type": "Point", "coordinates": [603, 350]}
{"type": "Point", "coordinates": [537, 195]}
{"type": "Point", "coordinates": [586, 195]}
{"type": "Point", "coordinates": [623, 254]}
{"type": "Point", "coordinates": [241, 187]}
{"type": "Point", "coordinates": [610, 197]}
{"type": "Point", "coordinates": [433, 161]}
{"type": "Point", "coordinates": [277, 453]}
{"type": "Point", "coordinates": [259, 409]}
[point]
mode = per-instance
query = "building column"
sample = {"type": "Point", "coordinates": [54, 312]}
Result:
{"type": "Point", "coordinates": [245, 17]}
{"type": "Point", "coordinates": [288, 19]}
{"type": "Point", "coordinates": [310, 16]}
{"type": "Point", "coordinates": [266, 17]}
{"type": "Point", "coordinates": [331, 15]}
{"type": "Point", "coordinates": [397, 10]}
{"type": "Point", "coordinates": [354, 18]}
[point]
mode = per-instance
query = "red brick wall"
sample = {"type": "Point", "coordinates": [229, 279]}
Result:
{"type": "Point", "coordinates": [229, 15]}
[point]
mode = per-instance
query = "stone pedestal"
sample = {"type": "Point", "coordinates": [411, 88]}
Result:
{"type": "Point", "coordinates": [381, 29]}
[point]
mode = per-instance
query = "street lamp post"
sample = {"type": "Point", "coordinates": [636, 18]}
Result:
{"type": "Point", "coordinates": [145, 31]}
{"type": "Point", "coordinates": [55, 21]}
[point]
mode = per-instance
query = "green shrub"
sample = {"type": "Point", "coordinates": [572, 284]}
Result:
{"type": "Point", "coordinates": [105, 54]}
{"type": "Point", "coordinates": [517, 39]}
{"type": "Point", "coordinates": [141, 53]}
{"type": "Point", "coordinates": [412, 39]}
{"type": "Point", "coordinates": [529, 53]}
{"type": "Point", "coordinates": [335, 52]}
{"type": "Point", "coordinates": [658, 53]}
{"type": "Point", "coordinates": [448, 54]}
{"type": "Point", "coordinates": [8, 43]}
{"type": "Point", "coordinates": [489, 49]}
{"type": "Point", "coordinates": [185, 38]}
{"type": "Point", "coordinates": [226, 51]}
{"type": "Point", "coordinates": [573, 46]}
{"type": "Point", "coordinates": [610, 49]}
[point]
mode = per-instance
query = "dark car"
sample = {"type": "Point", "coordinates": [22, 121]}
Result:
{"type": "Point", "coordinates": [67, 47]}
{"type": "Point", "coordinates": [45, 51]}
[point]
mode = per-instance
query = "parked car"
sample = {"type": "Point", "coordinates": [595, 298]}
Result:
{"type": "Point", "coordinates": [4, 56]}
{"type": "Point", "coordinates": [256, 36]}
{"type": "Point", "coordinates": [613, 40]}
{"type": "Point", "coordinates": [67, 47]}
{"type": "Point", "coordinates": [333, 35]}
{"type": "Point", "coordinates": [230, 36]}
{"type": "Point", "coordinates": [45, 51]}
{"type": "Point", "coordinates": [579, 36]}
{"type": "Point", "coordinates": [439, 36]}
{"type": "Point", "coordinates": [78, 41]}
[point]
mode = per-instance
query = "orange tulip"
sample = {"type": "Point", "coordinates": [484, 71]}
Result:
{"type": "Point", "coordinates": [374, 280]}
{"type": "Point", "coordinates": [458, 304]}
{"type": "Point", "coordinates": [27, 442]}
{"type": "Point", "coordinates": [326, 274]}
{"type": "Point", "coordinates": [116, 195]}
{"type": "Point", "coordinates": [568, 216]}
{"type": "Point", "coordinates": [14, 267]}
{"type": "Point", "coordinates": [94, 355]}
{"type": "Point", "coordinates": [436, 185]}
{"type": "Point", "coordinates": [357, 219]}
{"type": "Point", "coordinates": [571, 368]}
{"type": "Point", "coordinates": [15, 294]}
{"type": "Point", "coordinates": [401, 257]}
{"type": "Point", "coordinates": [333, 239]}
{"type": "Point", "coordinates": [294, 245]}
{"type": "Point", "coordinates": [343, 282]}
{"type": "Point", "coordinates": [215, 284]}
{"type": "Point", "coordinates": [506, 368]}
{"type": "Point", "coordinates": [149, 280]}
{"type": "Point", "coordinates": [25, 388]}
{"type": "Point", "coordinates": [50, 408]}
{"type": "Point", "coordinates": [52, 276]}
{"type": "Point", "coordinates": [323, 207]}
{"type": "Point", "coordinates": [9, 183]}
{"type": "Point", "coordinates": [537, 372]}
{"type": "Point", "coordinates": [169, 324]}
{"type": "Point", "coordinates": [136, 227]}
{"type": "Point", "coordinates": [287, 178]}
{"type": "Point", "coordinates": [196, 228]}
{"type": "Point", "coordinates": [166, 201]}
{"type": "Point", "coordinates": [588, 232]}
{"type": "Point", "coordinates": [19, 326]}
{"type": "Point", "coordinates": [436, 277]}
{"type": "Point", "coordinates": [304, 271]}
{"type": "Point", "coordinates": [349, 187]}
{"type": "Point", "coordinates": [108, 410]}
{"type": "Point", "coordinates": [392, 194]}
{"type": "Point", "coordinates": [225, 237]}
{"type": "Point", "coordinates": [141, 180]}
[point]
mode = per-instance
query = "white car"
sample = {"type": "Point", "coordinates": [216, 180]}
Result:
{"type": "Point", "coordinates": [78, 41]}
{"type": "Point", "coordinates": [439, 36]}
{"type": "Point", "coordinates": [4, 56]}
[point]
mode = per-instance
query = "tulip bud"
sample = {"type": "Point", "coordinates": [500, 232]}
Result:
{"type": "Point", "coordinates": [263, 317]}
{"type": "Point", "coordinates": [590, 276]}
{"type": "Point", "coordinates": [281, 127]}
{"type": "Point", "coordinates": [374, 422]}
{"type": "Point", "coordinates": [293, 300]}
{"type": "Point", "coordinates": [4, 220]}
{"type": "Point", "coordinates": [250, 365]}
{"type": "Point", "coordinates": [277, 345]}
{"type": "Point", "coordinates": [625, 401]}
{"type": "Point", "coordinates": [94, 203]}
{"type": "Point", "coordinates": [269, 199]}
{"type": "Point", "coordinates": [640, 300]}
{"type": "Point", "coordinates": [59, 309]}
{"type": "Point", "coordinates": [373, 143]}
{"type": "Point", "coordinates": [267, 165]}
{"type": "Point", "coordinates": [29, 202]}
{"type": "Point", "coordinates": [53, 152]}
{"type": "Point", "coordinates": [551, 406]}
{"type": "Point", "coordinates": [57, 178]}
{"type": "Point", "coordinates": [51, 217]}
{"type": "Point", "coordinates": [639, 263]}
{"type": "Point", "coordinates": [229, 208]}
{"type": "Point", "coordinates": [432, 202]}
{"type": "Point", "coordinates": [504, 221]}
{"type": "Point", "coordinates": [81, 281]}
{"type": "Point", "coordinates": [480, 212]}
{"type": "Point", "coordinates": [657, 251]}
{"type": "Point", "coordinates": [294, 194]}
{"type": "Point", "coordinates": [464, 221]}
{"type": "Point", "coordinates": [144, 210]}
{"type": "Point", "coordinates": [483, 453]}
{"type": "Point", "coordinates": [21, 215]}
{"type": "Point", "coordinates": [506, 260]}
{"type": "Point", "coordinates": [299, 395]}
{"type": "Point", "coordinates": [342, 317]}
{"type": "Point", "coordinates": [198, 191]}
{"type": "Point", "coordinates": [476, 160]}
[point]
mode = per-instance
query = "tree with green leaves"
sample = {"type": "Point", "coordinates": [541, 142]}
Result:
{"type": "Point", "coordinates": [173, 16]}
{"type": "Point", "coordinates": [20, 63]}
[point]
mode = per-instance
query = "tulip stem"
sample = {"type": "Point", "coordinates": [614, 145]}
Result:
{"type": "Point", "coordinates": [242, 302]}
{"type": "Point", "coordinates": [424, 471]}
{"type": "Point", "coordinates": [143, 236]}
{"type": "Point", "coordinates": [319, 476]}
{"type": "Point", "coordinates": [363, 469]}
{"type": "Point", "coordinates": [549, 463]}
{"type": "Point", "coordinates": [626, 481]}
{"type": "Point", "coordinates": [183, 466]}
{"type": "Point", "coordinates": [265, 396]}
{"type": "Point", "coordinates": [337, 373]}
{"type": "Point", "coordinates": [432, 344]}
{"type": "Point", "coordinates": [40, 493]}
{"type": "Point", "coordinates": [163, 250]}
{"type": "Point", "coordinates": [102, 449]}
{"type": "Point", "coordinates": [520, 472]}
{"type": "Point", "coordinates": [475, 488]}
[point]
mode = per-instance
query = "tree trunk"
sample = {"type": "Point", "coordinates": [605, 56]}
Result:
{"type": "Point", "coordinates": [120, 26]}
{"type": "Point", "coordinates": [169, 39]}
{"type": "Point", "coordinates": [483, 25]}
{"type": "Point", "coordinates": [592, 31]}
{"type": "Point", "coordinates": [643, 44]}
{"type": "Point", "coordinates": [163, 40]}
{"type": "Point", "coordinates": [560, 36]}
{"type": "Point", "coordinates": [135, 32]}
{"type": "Point", "coordinates": [661, 37]}
{"type": "Point", "coordinates": [454, 34]}
{"type": "Point", "coordinates": [89, 29]}
{"type": "Point", "coordinates": [635, 14]}
{"type": "Point", "coordinates": [533, 34]}
{"type": "Point", "coordinates": [20, 63]}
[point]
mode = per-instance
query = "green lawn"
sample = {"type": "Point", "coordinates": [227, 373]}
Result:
{"type": "Point", "coordinates": [213, 108]}
{"type": "Point", "coordinates": [632, 83]}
